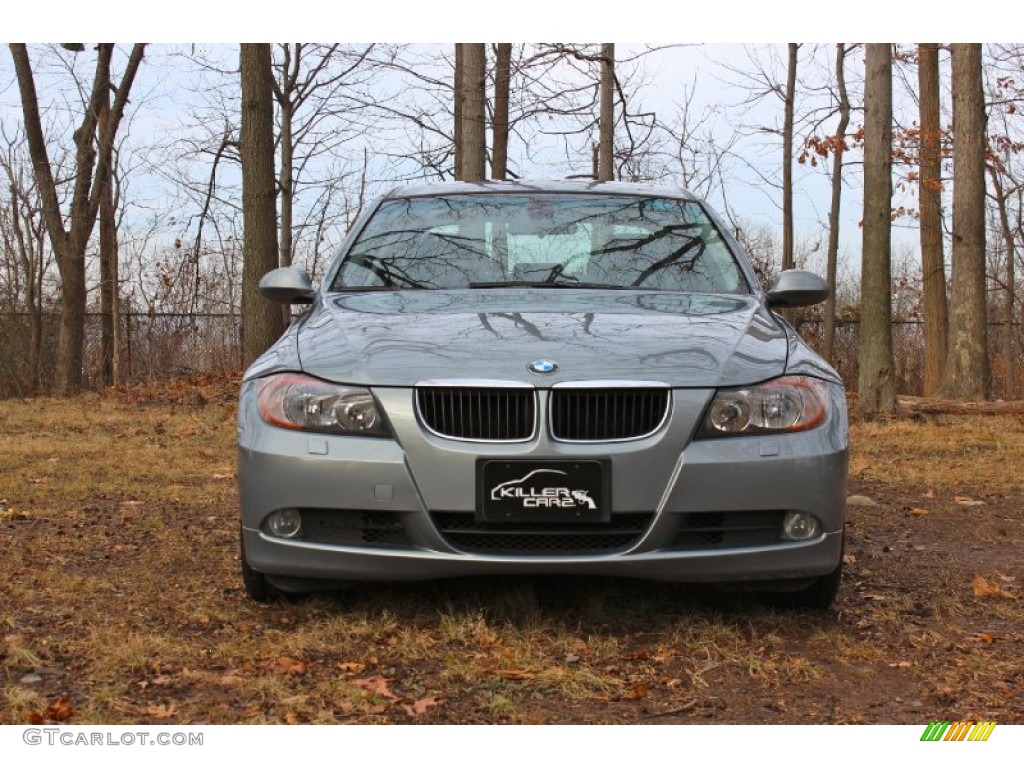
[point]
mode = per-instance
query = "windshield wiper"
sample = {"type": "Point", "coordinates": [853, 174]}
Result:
{"type": "Point", "coordinates": [387, 288]}
{"type": "Point", "coordinates": [545, 284]}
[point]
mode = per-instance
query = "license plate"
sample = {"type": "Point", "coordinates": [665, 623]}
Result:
{"type": "Point", "coordinates": [543, 491]}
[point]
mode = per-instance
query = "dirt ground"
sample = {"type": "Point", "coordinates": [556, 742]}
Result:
{"type": "Point", "coordinates": [120, 599]}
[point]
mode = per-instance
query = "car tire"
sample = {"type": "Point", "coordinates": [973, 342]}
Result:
{"type": "Point", "coordinates": [256, 584]}
{"type": "Point", "coordinates": [819, 595]}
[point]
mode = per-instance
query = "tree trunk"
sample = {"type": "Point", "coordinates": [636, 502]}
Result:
{"type": "Point", "coordinates": [474, 119]}
{"type": "Point", "coordinates": [876, 390]}
{"type": "Point", "coordinates": [262, 320]}
{"type": "Point", "coordinates": [835, 209]}
{"type": "Point", "coordinates": [788, 260]}
{"type": "Point", "coordinates": [606, 125]}
{"type": "Point", "coordinates": [502, 75]}
{"type": "Point", "coordinates": [108, 260]}
{"type": "Point", "coordinates": [966, 376]}
{"type": "Point", "coordinates": [37, 312]}
{"type": "Point", "coordinates": [933, 267]}
{"type": "Point", "coordinates": [286, 183]}
{"type": "Point", "coordinates": [1011, 251]}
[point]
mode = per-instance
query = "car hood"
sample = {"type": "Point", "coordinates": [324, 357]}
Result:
{"type": "Point", "coordinates": [404, 337]}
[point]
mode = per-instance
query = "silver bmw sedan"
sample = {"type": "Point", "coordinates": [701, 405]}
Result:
{"type": "Point", "coordinates": [558, 377]}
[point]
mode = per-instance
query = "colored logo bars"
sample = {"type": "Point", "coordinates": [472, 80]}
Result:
{"type": "Point", "coordinates": [965, 730]}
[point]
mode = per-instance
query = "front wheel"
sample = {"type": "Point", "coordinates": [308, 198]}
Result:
{"type": "Point", "coordinates": [820, 594]}
{"type": "Point", "coordinates": [256, 585]}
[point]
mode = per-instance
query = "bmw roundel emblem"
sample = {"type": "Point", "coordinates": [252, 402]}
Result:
{"type": "Point", "coordinates": [543, 366]}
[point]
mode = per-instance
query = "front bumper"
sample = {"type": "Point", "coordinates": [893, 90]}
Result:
{"type": "Point", "coordinates": [667, 475]}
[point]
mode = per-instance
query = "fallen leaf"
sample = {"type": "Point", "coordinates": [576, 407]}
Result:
{"type": "Point", "coordinates": [351, 667]}
{"type": "Point", "coordinates": [291, 718]}
{"type": "Point", "coordinates": [986, 637]}
{"type": "Point", "coordinates": [517, 674]}
{"type": "Point", "coordinates": [420, 706]}
{"type": "Point", "coordinates": [34, 718]}
{"type": "Point", "coordinates": [919, 511]}
{"type": "Point", "coordinates": [638, 691]}
{"type": "Point", "coordinates": [161, 711]}
{"type": "Point", "coordinates": [59, 710]}
{"type": "Point", "coordinates": [378, 685]}
{"type": "Point", "coordinates": [849, 559]}
{"type": "Point", "coordinates": [929, 494]}
{"type": "Point", "coordinates": [901, 664]}
{"type": "Point", "coordinates": [292, 666]}
{"type": "Point", "coordinates": [641, 655]}
{"type": "Point", "coordinates": [984, 587]}
{"type": "Point", "coordinates": [967, 501]}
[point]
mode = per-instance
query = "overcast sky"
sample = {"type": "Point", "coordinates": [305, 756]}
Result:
{"type": "Point", "coordinates": [703, 67]}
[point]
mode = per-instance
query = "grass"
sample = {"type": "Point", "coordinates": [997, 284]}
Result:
{"type": "Point", "coordinates": [120, 589]}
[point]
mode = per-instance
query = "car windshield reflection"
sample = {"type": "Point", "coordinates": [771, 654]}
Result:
{"type": "Point", "coordinates": [541, 241]}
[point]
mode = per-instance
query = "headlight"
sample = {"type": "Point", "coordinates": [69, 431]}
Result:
{"type": "Point", "coordinates": [297, 401]}
{"type": "Point", "coordinates": [789, 404]}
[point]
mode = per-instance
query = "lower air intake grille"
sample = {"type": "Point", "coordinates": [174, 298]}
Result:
{"type": "Point", "coordinates": [464, 532]}
{"type": "Point", "coordinates": [354, 528]}
{"type": "Point", "coordinates": [720, 530]}
{"type": "Point", "coordinates": [478, 413]}
{"type": "Point", "coordinates": [584, 415]}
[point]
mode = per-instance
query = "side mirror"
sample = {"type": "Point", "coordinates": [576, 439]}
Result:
{"type": "Point", "coordinates": [287, 285]}
{"type": "Point", "coordinates": [797, 288]}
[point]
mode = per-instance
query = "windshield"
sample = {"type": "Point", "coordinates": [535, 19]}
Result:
{"type": "Point", "coordinates": [543, 240]}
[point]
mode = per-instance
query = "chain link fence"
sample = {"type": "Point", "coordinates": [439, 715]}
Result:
{"type": "Point", "coordinates": [152, 346]}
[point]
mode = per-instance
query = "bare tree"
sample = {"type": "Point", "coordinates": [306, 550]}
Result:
{"type": "Point", "coordinates": [23, 231]}
{"type": "Point", "coordinates": [109, 309]}
{"type": "Point", "coordinates": [966, 375]}
{"type": "Point", "coordinates": [458, 108]}
{"type": "Point", "coordinates": [787, 159]}
{"type": "Point", "coordinates": [838, 148]}
{"type": "Point", "coordinates": [1009, 279]}
{"type": "Point", "coordinates": [933, 267]}
{"type": "Point", "coordinates": [93, 156]}
{"type": "Point", "coordinates": [309, 91]}
{"type": "Point", "coordinates": [262, 321]}
{"type": "Point", "coordinates": [876, 390]}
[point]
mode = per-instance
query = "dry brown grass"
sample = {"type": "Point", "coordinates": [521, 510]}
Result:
{"type": "Point", "coordinates": [118, 538]}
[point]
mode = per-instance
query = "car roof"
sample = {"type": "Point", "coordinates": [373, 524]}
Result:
{"type": "Point", "coordinates": [587, 186]}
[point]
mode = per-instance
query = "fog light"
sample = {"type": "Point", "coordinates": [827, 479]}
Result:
{"type": "Point", "coordinates": [285, 523]}
{"type": "Point", "coordinates": [800, 526]}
